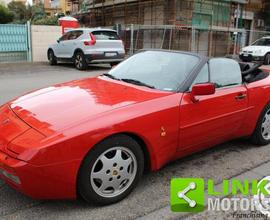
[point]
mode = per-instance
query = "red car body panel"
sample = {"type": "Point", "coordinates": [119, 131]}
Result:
{"type": "Point", "coordinates": [51, 130]}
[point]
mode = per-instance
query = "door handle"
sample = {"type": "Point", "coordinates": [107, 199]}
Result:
{"type": "Point", "coordinates": [240, 96]}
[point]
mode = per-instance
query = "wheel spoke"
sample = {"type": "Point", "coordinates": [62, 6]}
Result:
{"type": "Point", "coordinates": [78, 61]}
{"type": "Point", "coordinates": [105, 184]}
{"type": "Point", "coordinates": [118, 156]}
{"type": "Point", "coordinates": [107, 163]}
{"type": "Point", "coordinates": [127, 162]}
{"type": "Point", "coordinates": [98, 175]}
{"type": "Point", "coordinates": [264, 133]}
{"type": "Point", "coordinates": [126, 174]}
{"type": "Point", "coordinates": [116, 184]}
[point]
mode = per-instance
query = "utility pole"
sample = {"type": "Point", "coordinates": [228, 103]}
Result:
{"type": "Point", "coordinates": [236, 26]}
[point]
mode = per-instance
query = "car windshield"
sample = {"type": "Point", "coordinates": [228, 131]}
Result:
{"type": "Point", "coordinates": [156, 69]}
{"type": "Point", "coordinates": [262, 42]}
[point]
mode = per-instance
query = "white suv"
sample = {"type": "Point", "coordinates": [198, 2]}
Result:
{"type": "Point", "coordinates": [257, 51]}
{"type": "Point", "coordinates": [83, 46]}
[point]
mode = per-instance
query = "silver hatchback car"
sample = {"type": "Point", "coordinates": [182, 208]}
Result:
{"type": "Point", "coordinates": [83, 46]}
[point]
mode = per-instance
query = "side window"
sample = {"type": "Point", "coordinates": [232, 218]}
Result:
{"type": "Point", "coordinates": [106, 35]}
{"type": "Point", "coordinates": [64, 37]}
{"type": "Point", "coordinates": [224, 72]}
{"type": "Point", "coordinates": [203, 76]}
{"type": "Point", "coordinates": [74, 35]}
{"type": "Point", "coordinates": [267, 42]}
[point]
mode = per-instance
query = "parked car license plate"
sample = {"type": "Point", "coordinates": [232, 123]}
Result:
{"type": "Point", "coordinates": [110, 54]}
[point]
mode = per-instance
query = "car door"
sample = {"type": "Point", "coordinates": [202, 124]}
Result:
{"type": "Point", "coordinates": [71, 43]}
{"type": "Point", "coordinates": [60, 48]}
{"type": "Point", "coordinates": [217, 117]}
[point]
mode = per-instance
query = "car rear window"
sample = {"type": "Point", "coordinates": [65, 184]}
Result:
{"type": "Point", "coordinates": [106, 35]}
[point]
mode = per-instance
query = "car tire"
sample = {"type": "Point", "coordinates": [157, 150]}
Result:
{"type": "Point", "coordinates": [261, 134]}
{"type": "Point", "coordinates": [241, 59]}
{"type": "Point", "coordinates": [111, 170]}
{"type": "Point", "coordinates": [267, 59]}
{"type": "Point", "coordinates": [80, 61]}
{"type": "Point", "coordinates": [114, 64]}
{"type": "Point", "coordinates": [52, 58]}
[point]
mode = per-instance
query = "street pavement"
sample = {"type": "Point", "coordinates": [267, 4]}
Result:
{"type": "Point", "coordinates": [150, 200]}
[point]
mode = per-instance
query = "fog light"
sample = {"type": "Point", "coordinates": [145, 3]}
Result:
{"type": "Point", "coordinates": [10, 176]}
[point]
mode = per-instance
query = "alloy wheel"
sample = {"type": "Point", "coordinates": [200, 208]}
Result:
{"type": "Point", "coordinates": [113, 172]}
{"type": "Point", "coordinates": [267, 59]}
{"type": "Point", "coordinates": [78, 61]}
{"type": "Point", "coordinates": [51, 56]}
{"type": "Point", "coordinates": [265, 129]}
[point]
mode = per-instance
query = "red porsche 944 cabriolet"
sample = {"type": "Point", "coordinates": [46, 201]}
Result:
{"type": "Point", "coordinates": [94, 137]}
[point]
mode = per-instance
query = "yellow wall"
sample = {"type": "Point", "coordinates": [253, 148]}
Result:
{"type": "Point", "coordinates": [65, 5]}
{"type": "Point", "coordinates": [23, 1]}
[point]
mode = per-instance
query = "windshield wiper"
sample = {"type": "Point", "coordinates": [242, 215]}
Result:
{"type": "Point", "coordinates": [137, 82]}
{"type": "Point", "coordinates": [133, 81]}
{"type": "Point", "coordinates": [110, 76]}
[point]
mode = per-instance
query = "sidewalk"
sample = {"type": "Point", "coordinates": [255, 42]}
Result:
{"type": "Point", "coordinates": [257, 173]}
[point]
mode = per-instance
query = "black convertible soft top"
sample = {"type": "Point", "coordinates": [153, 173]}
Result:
{"type": "Point", "coordinates": [252, 72]}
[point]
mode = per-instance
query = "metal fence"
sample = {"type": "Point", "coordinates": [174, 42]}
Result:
{"type": "Point", "coordinates": [216, 41]}
{"type": "Point", "coordinates": [15, 40]}
{"type": "Point", "coordinates": [15, 43]}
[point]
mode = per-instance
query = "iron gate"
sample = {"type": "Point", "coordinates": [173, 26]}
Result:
{"type": "Point", "coordinates": [15, 43]}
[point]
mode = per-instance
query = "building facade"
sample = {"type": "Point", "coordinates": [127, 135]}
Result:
{"type": "Point", "coordinates": [205, 26]}
{"type": "Point", "coordinates": [203, 13]}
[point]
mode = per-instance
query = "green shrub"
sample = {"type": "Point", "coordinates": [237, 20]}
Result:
{"type": "Point", "coordinates": [46, 21]}
{"type": "Point", "coordinates": [5, 15]}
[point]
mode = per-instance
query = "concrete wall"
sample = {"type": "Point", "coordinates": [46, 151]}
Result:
{"type": "Point", "coordinates": [42, 36]}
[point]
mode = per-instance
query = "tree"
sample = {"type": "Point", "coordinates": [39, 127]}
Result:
{"type": "Point", "coordinates": [19, 11]}
{"type": "Point", "coordinates": [21, 14]}
{"type": "Point", "coordinates": [38, 12]}
{"type": "Point", "coordinates": [5, 15]}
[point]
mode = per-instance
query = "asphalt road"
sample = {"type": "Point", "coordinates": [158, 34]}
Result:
{"type": "Point", "coordinates": [152, 194]}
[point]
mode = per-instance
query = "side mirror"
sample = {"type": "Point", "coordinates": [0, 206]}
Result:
{"type": "Point", "coordinates": [58, 41]}
{"type": "Point", "coordinates": [202, 89]}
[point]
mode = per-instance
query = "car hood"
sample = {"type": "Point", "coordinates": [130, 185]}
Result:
{"type": "Point", "coordinates": [58, 107]}
{"type": "Point", "coordinates": [254, 48]}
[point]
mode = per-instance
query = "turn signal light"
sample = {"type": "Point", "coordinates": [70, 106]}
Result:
{"type": "Point", "coordinates": [10, 176]}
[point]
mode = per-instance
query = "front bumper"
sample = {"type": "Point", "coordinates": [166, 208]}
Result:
{"type": "Point", "coordinates": [56, 181]}
{"type": "Point", "coordinates": [103, 58]}
{"type": "Point", "coordinates": [10, 172]}
{"type": "Point", "coordinates": [250, 58]}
